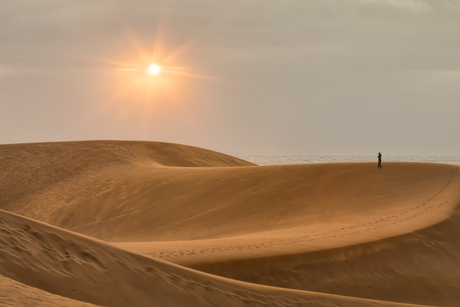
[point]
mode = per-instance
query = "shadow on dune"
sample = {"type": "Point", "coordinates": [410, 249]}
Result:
{"type": "Point", "coordinates": [422, 267]}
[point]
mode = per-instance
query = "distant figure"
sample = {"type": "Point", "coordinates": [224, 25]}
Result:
{"type": "Point", "coordinates": [380, 160]}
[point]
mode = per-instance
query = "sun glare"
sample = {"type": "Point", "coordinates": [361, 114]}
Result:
{"type": "Point", "coordinates": [153, 77]}
{"type": "Point", "coordinates": [154, 69]}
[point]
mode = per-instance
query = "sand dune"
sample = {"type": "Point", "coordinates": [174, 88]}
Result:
{"type": "Point", "coordinates": [89, 270]}
{"type": "Point", "coordinates": [122, 224]}
{"type": "Point", "coordinates": [13, 293]}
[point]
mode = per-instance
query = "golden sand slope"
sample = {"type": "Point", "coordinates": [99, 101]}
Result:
{"type": "Point", "coordinates": [86, 269]}
{"type": "Point", "coordinates": [343, 228]}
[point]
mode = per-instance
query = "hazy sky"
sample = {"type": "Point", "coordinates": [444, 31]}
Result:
{"type": "Point", "coordinates": [252, 76]}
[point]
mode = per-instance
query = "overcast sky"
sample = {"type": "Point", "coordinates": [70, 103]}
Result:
{"type": "Point", "coordinates": [252, 76]}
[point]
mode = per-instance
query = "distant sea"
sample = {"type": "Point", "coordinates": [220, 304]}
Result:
{"type": "Point", "coordinates": [278, 159]}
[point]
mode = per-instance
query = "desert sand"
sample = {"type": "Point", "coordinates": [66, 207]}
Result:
{"type": "Point", "coordinates": [124, 223]}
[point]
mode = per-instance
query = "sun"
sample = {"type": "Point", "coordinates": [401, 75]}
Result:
{"type": "Point", "coordinates": [154, 76]}
{"type": "Point", "coordinates": [154, 69]}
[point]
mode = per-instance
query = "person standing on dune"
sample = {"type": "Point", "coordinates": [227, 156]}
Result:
{"type": "Point", "coordinates": [380, 160]}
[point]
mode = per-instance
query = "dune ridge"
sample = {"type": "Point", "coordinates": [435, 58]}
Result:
{"type": "Point", "coordinates": [13, 293]}
{"type": "Point", "coordinates": [331, 228]}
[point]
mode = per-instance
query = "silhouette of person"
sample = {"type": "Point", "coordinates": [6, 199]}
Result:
{"type": "Point", "coordinates": [380, 160]}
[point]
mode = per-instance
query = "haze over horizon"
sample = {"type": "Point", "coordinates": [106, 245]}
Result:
{"type": "Point", "coordinates": [338, 76]}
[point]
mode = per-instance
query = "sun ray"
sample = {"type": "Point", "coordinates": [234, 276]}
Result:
{"type": "Point", "coordinates": [170, 58]}
{"type": "Point", "coordinates": [145, 55]}
{"type": "Point", "coordinates": [188, 74]}
{"type": "Point", "coordinates": [111, 62]}
{"type": "Point", "coordinates": [158, 49]}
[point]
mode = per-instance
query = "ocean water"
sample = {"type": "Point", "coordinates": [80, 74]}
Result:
{"type": "Point", "coordinates": [279, 159]}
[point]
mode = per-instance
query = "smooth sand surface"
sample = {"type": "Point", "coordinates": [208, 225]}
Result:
{"type": "Point", "coordinates": [115, 223]}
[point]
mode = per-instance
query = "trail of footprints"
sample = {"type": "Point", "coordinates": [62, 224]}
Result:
{"type": "Point", "coordinates": [360, 228]}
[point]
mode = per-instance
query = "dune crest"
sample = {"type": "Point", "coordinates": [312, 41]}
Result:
{"type": "Point", "coordinates": [13, 294]}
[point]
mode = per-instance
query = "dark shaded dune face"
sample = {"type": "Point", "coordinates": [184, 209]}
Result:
{"type": "Point", "coordinates": [182, 156]}
{"type": "Point", "coordinates": [421, 267]}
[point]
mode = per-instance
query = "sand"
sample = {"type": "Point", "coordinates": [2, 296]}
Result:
{"type": "Point", "coordinates": [119, 223]}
